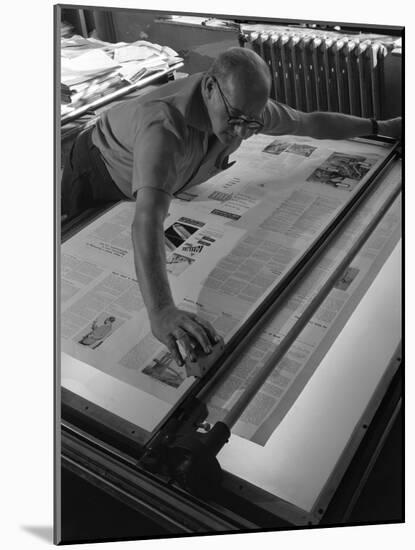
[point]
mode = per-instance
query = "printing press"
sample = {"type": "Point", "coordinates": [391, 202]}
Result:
{"type": "Point", "coordinates": [294, 255]}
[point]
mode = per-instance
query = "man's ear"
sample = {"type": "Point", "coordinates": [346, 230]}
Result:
{"type": "Point", "coordinates": [209, 86]}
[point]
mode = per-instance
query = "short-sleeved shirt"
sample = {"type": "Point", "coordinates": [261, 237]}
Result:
{"type": "Point", "coordinates": [164, 139]}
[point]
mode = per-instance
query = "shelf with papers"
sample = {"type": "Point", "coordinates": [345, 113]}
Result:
{"type": "Point", "coordinates": [117, 94]}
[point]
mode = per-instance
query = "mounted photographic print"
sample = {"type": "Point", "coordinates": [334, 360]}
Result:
{"type": "Point", "coordinates": [228, 205]}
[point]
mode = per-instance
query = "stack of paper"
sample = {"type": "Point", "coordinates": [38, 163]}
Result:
{"type": "Point", "coordinates": [86, 66]}
{"type": "Point", "coordinates": [92, 68]}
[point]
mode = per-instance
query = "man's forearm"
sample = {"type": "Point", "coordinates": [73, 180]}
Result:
{"type": "Point", "coordinates": [150, 263]}
{"type": "Point", "coordinates": [334, 126]}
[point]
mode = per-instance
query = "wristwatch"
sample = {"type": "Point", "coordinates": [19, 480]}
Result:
{"type": "Point", "coordinates": [375, 127]}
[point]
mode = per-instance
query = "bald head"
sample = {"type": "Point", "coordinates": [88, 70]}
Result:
{"type": "Point", "coordinates": [235, 91]}
{"type": "Point", "coordinates": [242, 69]}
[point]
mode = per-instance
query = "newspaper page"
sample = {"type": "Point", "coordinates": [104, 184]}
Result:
{"type": "Point", "coordinates": [228, 243]}
{"type": "Point", "coordinates": [104, 322]}
{"type": "Point", "coordinates": [289, 377]}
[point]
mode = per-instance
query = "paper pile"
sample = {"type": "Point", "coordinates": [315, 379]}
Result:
{"type": "Point", "coordinates": [92, 68]}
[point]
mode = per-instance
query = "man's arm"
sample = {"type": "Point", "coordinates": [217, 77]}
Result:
{"type": "Point", "coordinates": [322, 125]}
{"type": "Point", "coordinates": [168, 323]}
{"type": "Point", "coordinates": [280, 119]}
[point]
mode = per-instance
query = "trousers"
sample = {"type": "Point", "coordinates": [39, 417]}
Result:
{"type": "Point", "coordinates": [86, 182]}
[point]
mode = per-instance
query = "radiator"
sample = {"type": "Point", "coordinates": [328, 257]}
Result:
{"type": "Point", "coordinates": [322, 70]}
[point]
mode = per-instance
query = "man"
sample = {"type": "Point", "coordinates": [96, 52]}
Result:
{"type": "Point", "coordinates": [148, 149]}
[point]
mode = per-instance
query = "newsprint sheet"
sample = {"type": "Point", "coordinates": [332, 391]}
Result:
{"type": "Point", "coordinates": [228, 242]}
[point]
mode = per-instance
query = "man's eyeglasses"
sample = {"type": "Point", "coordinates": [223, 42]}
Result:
{"type": "Point", "coordinates": [250, 123]}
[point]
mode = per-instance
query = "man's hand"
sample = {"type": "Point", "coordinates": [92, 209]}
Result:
{"type": "Point", "coordinates": [391, 127]}
{"type": "Point", "coordinates": [172, 325]}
